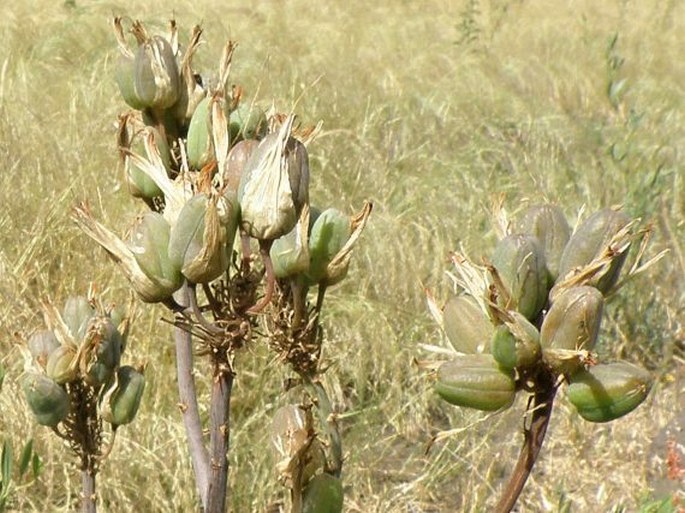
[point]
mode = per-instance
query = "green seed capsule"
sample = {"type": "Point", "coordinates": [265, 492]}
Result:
{"type": "Point", "coordinates": [549, 225]}
{"type": "Point", "coordinates": [475, 381]}
{"type": "Point", "coordinates": [199, 141]}
{"type": "Point", "coordinates": [290, 253]}
{"type": "Point", "coordinates": [41, 345]}
{"type": "Point", "coordinates": [520, 262]}
{"type": "Point", "coordinates": [139, 183]}
{"type": "Point", "coordinates": [120, 405]}
{"type": "Point", "coordinates": [589, 241]}
{"type": "Point", "coordinates": [467, 327]}
{"type": "Point", "coordinates": [329, 233]}
{"type": "Point", "coordinates": [48, 401]}
{"type": "Point", "coordinates": [323, 494]}
{"type": "Point", "coordinates": [61, 367]}
{"type": "Point", "coordinates": [573, 320]}
{"type": "Point", "coordinates": [77, 313]}
{"type": "Point", "coordinates": [516, 344]}
{"type": "Point", "coordinates": [200, 242]}
{"type": "Point", "coordinates": [247, 122]}
{"type": "Point", "coordinates": [608, 391]}
{"type": "Point", "coordinates": [101, 351]}
{"type": "Point", "coordinates": [125, 77]}
{"type": "Point", "coordinates": [157, 82]}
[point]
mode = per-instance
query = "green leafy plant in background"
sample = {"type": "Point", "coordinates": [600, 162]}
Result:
{"type": "Point", "coordinates": [75, 385]}
{"type": "Point", "coordinates": [528, 319]}
{"type": "Point", "coordinates": [217, 173]}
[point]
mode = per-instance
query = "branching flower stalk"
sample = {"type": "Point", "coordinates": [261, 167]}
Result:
{"type": "Point", "coordinates": [212, 168]}
{"type": "Point", "coordinates": [528, 320]}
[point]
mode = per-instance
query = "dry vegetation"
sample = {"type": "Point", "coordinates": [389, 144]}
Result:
{"type": "Point", "coordinates": [430, 109]}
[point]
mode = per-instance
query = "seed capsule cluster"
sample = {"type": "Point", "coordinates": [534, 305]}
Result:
{"type": "Point", "coordinates": [539, 311]}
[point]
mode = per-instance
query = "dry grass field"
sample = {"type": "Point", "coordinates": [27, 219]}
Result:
{"type": "Point", "coordinates": [431, 109]}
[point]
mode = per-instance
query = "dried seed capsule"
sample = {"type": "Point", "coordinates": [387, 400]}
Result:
{"type": "Point", "coordinates": [77, 313]}
{"type": "Point", "coordinates": [520, 263]}
{"type": "Point", "coordinates": [157, 82]}
{"type": "Point", "coordinates": [121, 402]}
{"type": "Point", "coordinates": [295, 445]}
{"type": "Point", "coordinates": [549, 225]}
{"type": "Point", "coordinates": [608, 391]}
{"type": "Point", "coordinates": [274, 186]}
{"type": "Point", "coordinates": [200, 242]}
{"type": "Point", "coordinates": [323, 494]}
{"type": "Point", "coordinates": [101, 351]}
{"type": "Point", "coordinates": [247, 122]}
{"type": "Point", "coordinates": [149, 243]}
{"type": "Point", "coordinates": [41, 345]}
{"type": "Point", "coordinates": [589, 241]}
{"type": "Point", "coordinates": [573, 320]}
{"type": "Point", "coordinates": [48, 401]}
{"type": "Point", "coordinates": [467, 327]}
{"type": "Point", "coordinates": [475, 381]}
{"type": "Point", "coordinates": [516, 343]}
{"type": "Point", "coordinates": [61, 366]}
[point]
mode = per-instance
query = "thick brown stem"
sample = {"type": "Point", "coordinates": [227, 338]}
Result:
{"type": "Point", "coordinates": [534, 436]}
{"type": "Point", "coordinates": [88, 491]}
{"type": "Point", "coordinates": [189, 407]}
{"type": "Point", "coordinates": [219, 431]}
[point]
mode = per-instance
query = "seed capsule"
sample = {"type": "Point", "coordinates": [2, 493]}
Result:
{"type": "Point", "coordinates": [520, 264]}
{"type": "Point", "coordinates": [549, 225]}
{"type": "Point", "coordinates": [475, 381]}
{"type": "Point", "coordinates": [247, 122]}
{"type": "Point", "coordinates": [100, 354]}
{"type": "Point", "coordinates": [467, 327]}
{"type": "Point", "coordinates": [121, 402]}
{"type": "Point", "coordinates": [608, 391]}
{"type": "Point", "coordinates": [516, 343]}
{"type": "Point", "coordinates": [140, 185]}
{"type": "Point", "coordinates": [149, 243]}
{"type": "Point", "coordinates": [199, 141]}
{"type": "Point", "coordinates": [589, 241]}
{"type": "Point", "coordinates": [125, 77]}
{"type": "Point", "coordinates": [157, 82]}
{"type": "Point", "coordinates": [77, 313]}
{"type": "Point", "coordinates": [274, 185]}
{"type": "Point", "coordinates": [48, 401]}
{"type": "Point", "coordinates": [290, 253]}
{"type": "Point", "coordinates": [200, 242]}
{"type": "Point", "coordinates": [61, 366]}
{"type": "Point", "coordinates": [329, 233]}
{"type": "Point", "coordinates": [41, 345]}
{"type": "Point", "coordinates": [235, 163]}
{"type": "Point", "coordinates": [323, 494]}
{"type": "Point", "coordinates": [573, 320]}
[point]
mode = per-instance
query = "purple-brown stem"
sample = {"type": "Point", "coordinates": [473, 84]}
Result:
{"type": "Point", "coordinates": [88, 491]}
{"type": "Point", "coordinates": [264, 251]}
{"type": "Point", "coordinates": [534, 436]}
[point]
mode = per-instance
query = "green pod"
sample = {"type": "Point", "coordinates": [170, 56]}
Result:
{"type": "Point", "coordinates": [290, 254]}
{"type": "Point", "coordinates": [139, 183]}
{"type": "Point", "coordinates": [200, 242]}
{"type": "Point", "coordinates": [274, 186]}
{"type": "Point", "coordinates": [48, 401]}
{"type": "Point", "coordinates": [588, 242]}
{"type": "Point", "coordinates": [235, 163]}
{"type": "Point", "coordinates": [122, 402]}
{"type": "Point", "coordinates": [157, 81]}
{"type": "Point", "coordinates": [41, 344]}
{"type": "Point", "coordinates": [549, 225]}
{"type": "Point", "coordinates": [199, 140]}
{"type": "Point", "coordinates": [329, 233]}
{"type": "Point", "coordinates": [124, 75]}
{"type": "Point", "coordinates": [247, 121]}
{"type": "Point", "coordinates": [77, 313]}
{"type": "Point", "coordinates": [323, 494]}
{"type": "Point", "coordinates": [467, 327]}
{"type": "Point", "coordinates": [520, 263]}
{"type": "Point", "coordinates": [149, 243]}
{"type": "Point", "coordinates": [516, 344]}
{"type": "Point", "coordinates": [103, 349]}
{"type": "Point", "coordinates": [608, 391]}
{"type": "Point", "coordinates": [475, 381]}
{"type": "Point", "coordinates": [573, 320]}
{"type": "Point", "coordinates": [61, 367]}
